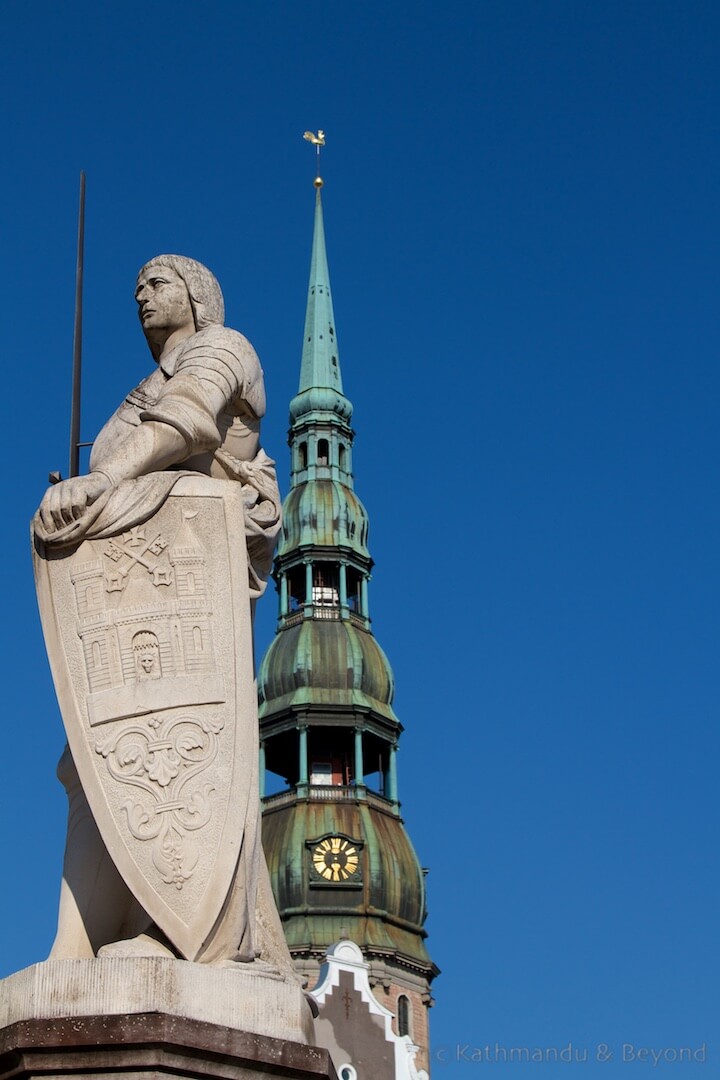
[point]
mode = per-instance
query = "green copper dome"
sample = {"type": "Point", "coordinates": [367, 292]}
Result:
{"type": "Point", "coordinates": [329, 662]}
{"type": "Point", "coordinates": [385, 915]}
{"type": "Point", "coordinates": [317, 402]}
{"type": "Point", "coordinates": [324, 513]}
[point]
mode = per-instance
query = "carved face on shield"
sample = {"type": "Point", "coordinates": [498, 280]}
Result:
{"type": "Point", "coordinates": [146, 651]}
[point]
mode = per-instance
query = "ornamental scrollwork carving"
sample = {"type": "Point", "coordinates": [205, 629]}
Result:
{"type": "Point", "coordinates": [164, 760]}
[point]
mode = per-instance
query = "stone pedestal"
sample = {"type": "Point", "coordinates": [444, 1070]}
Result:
{"type": "Point", "coordinates": [156, 1017]}
{"type": "Point", "coordinates": [151, 1046]}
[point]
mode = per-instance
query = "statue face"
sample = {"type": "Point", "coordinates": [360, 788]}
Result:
{"type": "Point", "coordinates": [163, 301]}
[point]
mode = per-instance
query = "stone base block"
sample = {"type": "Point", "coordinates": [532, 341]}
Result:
{"type": "Point", "coordinates": [151, 1046]}
{"type": "Point", "coordinates": [250, 997]}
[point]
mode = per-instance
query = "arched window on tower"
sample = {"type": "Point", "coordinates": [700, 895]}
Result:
{"type": "Point", "coordinates": [302, 455]}
{"type": "Point", "coordinates": [323, 452]}
{"type": "Point", "coordinates": [403, 1015]}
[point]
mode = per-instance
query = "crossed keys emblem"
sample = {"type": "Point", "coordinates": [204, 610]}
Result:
{"type": "Point", "coordinates": [135, 550]}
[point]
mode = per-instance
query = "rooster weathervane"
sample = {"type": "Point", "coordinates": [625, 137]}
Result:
{"type": "Point", "coordinates": [317, 141]}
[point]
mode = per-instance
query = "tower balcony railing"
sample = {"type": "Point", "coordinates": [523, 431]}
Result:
{"type": "Point", "coordinates": [323, 611]}
{"type": "Point", "coordinates": [333, 792]}
{"type": "Point", "coordinates": [328, 793]}
{"type": "Point", "coordinates": [283, 798]}
{"type": "Point", "coordinates": [293, 618]}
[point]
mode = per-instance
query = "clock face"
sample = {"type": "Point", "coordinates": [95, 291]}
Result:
{"type": "Point", "coordinates": [335, 859]}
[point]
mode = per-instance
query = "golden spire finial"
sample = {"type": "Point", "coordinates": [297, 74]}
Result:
{"type": "Point", "coordinates": [317, 141]}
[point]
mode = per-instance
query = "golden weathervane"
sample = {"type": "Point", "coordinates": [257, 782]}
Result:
{"type": "Point", "coordinates": [317, 141]}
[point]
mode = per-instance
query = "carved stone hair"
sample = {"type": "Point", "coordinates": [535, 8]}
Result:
{"type": "Point", "coordinates": [206, 298]}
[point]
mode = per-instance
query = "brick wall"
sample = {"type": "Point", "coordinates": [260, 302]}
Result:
{"type": "Point", "coordinates": [419, 1026]}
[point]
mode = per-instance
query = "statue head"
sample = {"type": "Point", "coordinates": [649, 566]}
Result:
{"type": "Point", "coordinates": [203, 292]}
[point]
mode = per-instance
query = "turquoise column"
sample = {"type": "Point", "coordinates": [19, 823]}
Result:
{"type": "Point", "coordinates": [392, 792]}
{"type": "Point", "coordinates": [334, 456]}
{"type": "Point", "coordinates": [364, 597]}
{"type": "Point", "coordinates": [343, 591]}
{"type": "Point", "coordinates": [359, 770]}
{"type": "Point", "coordinates": [308, 588]}
{"type": "Point", "coordinates": [303, 755]}
{"type": "Point", "coordinates": [283, 595]}
{"type": "Point", "coordinates": [261, 772]}
{"type": "Point", "coordinates": [312, 457]}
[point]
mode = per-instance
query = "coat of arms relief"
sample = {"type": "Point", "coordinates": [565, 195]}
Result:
{"type": "Point", "coordinates": [145, 620]}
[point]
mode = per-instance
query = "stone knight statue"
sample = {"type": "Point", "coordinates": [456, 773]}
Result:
{"type": "Point", "coordinates": [147, 571]}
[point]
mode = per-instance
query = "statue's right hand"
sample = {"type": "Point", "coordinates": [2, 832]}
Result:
{"type": "Point", "coordinates": [67, 501]}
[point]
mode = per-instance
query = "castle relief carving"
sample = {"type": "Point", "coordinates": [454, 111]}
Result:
{"type": "Point", "coordinates": [146, 648]}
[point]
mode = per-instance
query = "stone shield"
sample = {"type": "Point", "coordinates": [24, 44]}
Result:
{"type": "Point", "coordinates": [149, 637]}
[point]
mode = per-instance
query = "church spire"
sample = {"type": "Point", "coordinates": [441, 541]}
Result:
{"type": "Point", "coordinates": [340, 861]}
{"type": "Point", "coordinates": [320, 434]}
{"type": "Point", "coordinates": [320, 365]}
{"type": "Point", "coordinates": [320, 414]}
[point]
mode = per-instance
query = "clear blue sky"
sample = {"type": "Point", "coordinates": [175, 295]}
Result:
{"type": "Point", "coordinates": [523, 226]}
